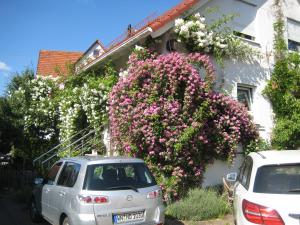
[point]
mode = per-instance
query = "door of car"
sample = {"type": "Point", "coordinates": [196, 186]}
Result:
{"type": "Point", "coordinates": [48, 188]}
{"type": "Point", "coordinates": [242, 186]}
{"type": "Point", "coordinates": [64, 190]}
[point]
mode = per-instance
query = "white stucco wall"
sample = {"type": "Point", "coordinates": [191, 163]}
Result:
{"type": "Point", "coordinates": [255, 19]}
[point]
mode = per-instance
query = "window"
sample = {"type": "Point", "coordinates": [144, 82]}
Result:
{"type": "Point", "coordinates": [171, 45]}
{"type": "Point", "coordinates": [244, 23]}
{"type": "Point", "coordinates": [245, 36]}
{"type": "Point", "coordinates": [245, 172]}
{"type": "Point", "coordinates": [294, 46]}
{"type": "Point", "coordinates": [278, 179]}
{"type": "Point", "coordinates": [96, 53]}
{"type": "Point", "coordinates": [244, 95]}
{"type": "Point", "coordinates": [53, 172]}
{"type": "Point", "coordinates": [118, 176]}
{"type": "Point", "coordinates": [293, 29]}
{"type": "Point", "coordinates": [69, 174]}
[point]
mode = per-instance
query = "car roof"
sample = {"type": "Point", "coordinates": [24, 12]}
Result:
{"type": "Point", "coordinates": [103, 159]}
{"type": "Point", "coordinates": [272, 157]}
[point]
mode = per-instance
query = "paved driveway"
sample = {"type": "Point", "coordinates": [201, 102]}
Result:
{"type": "Point", "coordinates": [13, 212]}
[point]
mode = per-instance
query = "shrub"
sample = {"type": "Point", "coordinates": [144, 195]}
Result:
{"type": "Point", "coordinates": [199, 205]}
{"type": "Point", "coordinates": [162, 111]}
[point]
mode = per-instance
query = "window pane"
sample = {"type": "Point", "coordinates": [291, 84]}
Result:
{"type": "Point", "coordinates": [69, 174]}
{"type": "Point", "coordinates": [278, 179]}
{"type": "Point", "coordinates": [293, 46]}
{"type": "Point", "coordinates": [244, 96]}
{"type": "Point", "coordinates": [118, 176]}
{"type": "Point", "coordinates": [53, 172]}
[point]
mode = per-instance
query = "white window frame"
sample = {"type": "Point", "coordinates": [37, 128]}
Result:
{"type": "Point", "coordinates": [293, 33]}
{"type": "Point", "coordinates": [247, 89]}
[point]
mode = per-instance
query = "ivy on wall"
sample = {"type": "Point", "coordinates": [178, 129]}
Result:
{"type": "Point", "coordinates": [283, 89]}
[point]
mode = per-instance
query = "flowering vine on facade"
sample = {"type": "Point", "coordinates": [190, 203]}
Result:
{"type": "Point", "coordinates": [165, 113]}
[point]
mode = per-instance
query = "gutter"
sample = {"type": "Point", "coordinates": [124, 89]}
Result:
{"type": "Point", "coordinates": [143, 33]}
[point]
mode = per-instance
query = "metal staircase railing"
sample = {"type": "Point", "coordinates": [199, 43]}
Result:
{"type": "Point", "coordinates": [80, 143]}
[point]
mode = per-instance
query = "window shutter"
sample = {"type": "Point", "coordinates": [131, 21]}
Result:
{"type": "Point", "coordinates": [293, 29]}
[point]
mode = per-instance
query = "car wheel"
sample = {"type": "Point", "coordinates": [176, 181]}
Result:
{"type": "Point", "coordinates": [34, 213]}
{"type": "Point", "coordinates": [66, 221]}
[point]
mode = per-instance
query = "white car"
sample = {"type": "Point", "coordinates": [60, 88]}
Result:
{"type": "Point", "coordinates": [267, 189]}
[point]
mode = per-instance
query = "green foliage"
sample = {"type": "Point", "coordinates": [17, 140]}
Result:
{"type": "Point", "coordinates": [257, 145]}
{"type": "Point", "coordinates": [283, 90]}
{"type": "Point", "coordinates": [199, 205]}
{"type": "Point", "coordinates": [37, 112]}
{"type": "Point", "coordinates": [8, 129]}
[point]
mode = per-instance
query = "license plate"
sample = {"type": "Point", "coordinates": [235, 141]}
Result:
{"type": "Point", "coordinates": [128, 217]}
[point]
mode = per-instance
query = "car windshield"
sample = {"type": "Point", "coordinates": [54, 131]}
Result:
{"type": "Point", "coordinates": [278, 179]}
{"type": "Point", "coordinates": [118, 176]}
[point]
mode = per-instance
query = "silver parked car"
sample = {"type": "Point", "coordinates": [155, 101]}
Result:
{"type": "Point", "coordinates": [93, 190]}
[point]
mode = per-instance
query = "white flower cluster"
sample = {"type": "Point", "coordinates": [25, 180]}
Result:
{"type": "Point", "coordinates": [138, 48]}
{"type": "Point", "coordinates": [69, 110]}
{"type": "Point", "coordinates": [94, 102]}
{"type": "Point", "coordinates": [195, 31]}
{"type": "Point", "coordinates": [41, 111]}
{"type": "Point", "coordinates": [86, 100]}
{"type": "Point", "coordinates": [123, 74]}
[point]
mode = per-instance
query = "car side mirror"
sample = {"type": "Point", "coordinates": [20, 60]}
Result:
{"type": "Point", "coordinates": [39, 181]}
{"type": "Point", "coordinates": [231, 177]}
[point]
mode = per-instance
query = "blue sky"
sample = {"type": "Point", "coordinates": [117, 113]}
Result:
{"type": "Point", "coordinates": [72, 25]}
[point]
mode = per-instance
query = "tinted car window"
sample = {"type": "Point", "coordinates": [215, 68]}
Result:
{"type": "Point", "coordinates": [278, 179]}
{"type": "Point", "coordinates": [53, 172]}
{"type": "Point", "coordinates": [245, 172]}
{"type": "Point", "coordinates": [69, 174]}
{"type": "Point", "coordinates": [118, 176]}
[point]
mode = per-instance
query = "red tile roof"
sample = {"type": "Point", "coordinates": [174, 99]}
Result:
{"type": "Point", "coordinates": [55, 63]}
{"type": "Point", "coordinates": [172, 14]}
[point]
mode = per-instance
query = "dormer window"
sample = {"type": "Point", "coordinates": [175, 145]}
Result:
{"type": "Point", "coordinates": [96, 53]}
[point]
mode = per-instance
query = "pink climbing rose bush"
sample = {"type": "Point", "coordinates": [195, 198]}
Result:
{"type": "Point", "coordinates": [164, 112]}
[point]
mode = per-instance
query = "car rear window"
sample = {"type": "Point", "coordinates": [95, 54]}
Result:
{"type": "Point", "coordinates": [278, 179]}
{"type": "Point", "coordinates": [118, 176]}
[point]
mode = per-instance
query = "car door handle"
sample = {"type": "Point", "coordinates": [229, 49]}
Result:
{"type": "Point", "coordinates": [62, 193]}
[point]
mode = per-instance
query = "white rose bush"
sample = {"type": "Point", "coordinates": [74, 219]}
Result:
{"type": "Point", "coordinates": [215, 39]}
{"type": "Point", "coordinates": [54, 111]}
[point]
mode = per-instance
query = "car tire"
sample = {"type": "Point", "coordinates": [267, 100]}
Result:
{"type": "Point", "coordinates": [35, 216]}
{"type": "Point", "coordinates": [66, 221]}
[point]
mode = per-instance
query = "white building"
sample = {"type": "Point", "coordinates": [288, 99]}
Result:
{"type": "Point", "coordinates": [243, 81]}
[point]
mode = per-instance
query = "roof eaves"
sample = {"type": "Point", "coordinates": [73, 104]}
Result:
{"type": "Point", "coordinates": [145, 31]}
{"type": "Point", "coordinates": [172, 14]}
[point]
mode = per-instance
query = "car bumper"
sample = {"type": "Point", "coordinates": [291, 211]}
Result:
{"type": "Point", "coordinates": [83, 219]}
